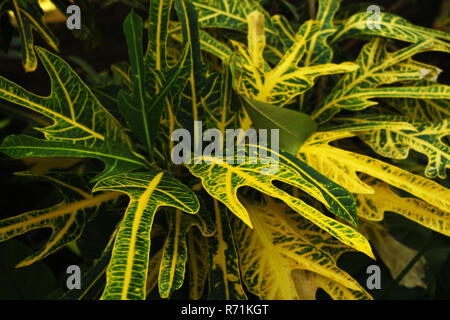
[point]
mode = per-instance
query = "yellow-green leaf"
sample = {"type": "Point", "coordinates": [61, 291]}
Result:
{"type": "Point", "coordinates": [81, 125]}
{"type": "Point", "coordinates": [287, 79]}
{"type": "Point", "coordinates": [392, 26]}
{"type": "Point", "coordinates": [224, 275]}
{"type": "Point", "coordinates": [426, 138]}
{"type": "Point", "coordinates": [342, 166]}
{"type": "Point", "coordinates": [67, 219]}
{"type": "Point", "coordinates": [28, 15]}
{"type": "Point", "coordinates": [128, 269]}
{"type": "Point", "coordinates": [198, 263]}
{"type": "Point", "coordinates": [373, 206]}
{"type": "Point", "coordinates": [221, 178]}
{"type": "Point", "coordinates": [175, 254]}
{"type": "Point", "coordinates": [277, 246]}
{"type": "Point", "coordinates": [378, 66]}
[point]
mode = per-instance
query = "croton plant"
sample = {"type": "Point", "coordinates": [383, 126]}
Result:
{"type": "Point", "coordinates": [360, 133]}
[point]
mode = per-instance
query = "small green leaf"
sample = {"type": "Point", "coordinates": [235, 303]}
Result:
{"type": "Point", "coordinates": [4, 123]}
{"type": "Point", "coordinates": [295, 127]}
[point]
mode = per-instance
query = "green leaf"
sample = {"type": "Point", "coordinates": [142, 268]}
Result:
{"type": "Point", "coordinates": [294, 127]}
{"type": "Point", "coordinates": [79, 120]}
{"type": "Point", "coordinates": [319, 52]}
{"type": "Point", "coordinates": [175, 255]}
{"type": "Point", "coordinates": [224, 114]}
{"type": "Point", "coordinates": [142, 110]}
{"type": "Point", "coordinates": [198, 263]}
{"type": "Point", "coordinates": [153, 272]}
{"type": "Point", "coordinates": [421, 109]}
{"type": "Point", "coordinates": [224, 275]}
{"type": "Point", "coordinates": [127, 272]}
{"type": "Point", "coordinates": [227, 14]}
{"type": "Point", "coordinates": [28, 15]}
{"type": "Point", "coordinates": [67, 219]}
{"type": "Point", "coordinates": [116, 158]}
{"type": "Point", "coordinates": [135, 107]}
{"type": "Point", "coordinates": [201, 94]}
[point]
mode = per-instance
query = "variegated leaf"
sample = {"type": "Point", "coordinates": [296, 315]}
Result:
{"type": "Point", "coordinates": [81, 127]}
{"type": "Point", "coordinates": [373, 206]}
{"type": "Point", "coordinates": [67, 219]}
{"type": "Point", "coordinates": [224, 275]}
{"type": "Point", "coordinates": [392, 26]}
{"type": "Point", "coordinates": [342, 166]}
{"type": "Point", "coordinates": [277, 246]}
{"type": "Point", "coordinates": [138, 106]}
{"type": "Point", "coordinates": [198, 263]}
{"type": "Point", "coordinates": [154, 264]}
{"type": "Point", "coordinates": [426, 138]}
{"type": "Point", "coordinates": [319, 52]}
{"type": "Point", "coordinates": [28, 15]}
{"type": "Point", "coordinates": [128, 269]}
{"type": "Point", "coordinates": [287, 79]}
{"type": "Point", "coordinates": [421, 109]}
{"type": "Point", "coordinates": [378, 66]}
{"type": "Point", "coordinates": [221, 178]}
{"type": "Point", "coordinates": [201, 94]}
{"type": "Point", "coordinates": [226, 14]}
{"type": "Point", "coordinates": [175, 254]}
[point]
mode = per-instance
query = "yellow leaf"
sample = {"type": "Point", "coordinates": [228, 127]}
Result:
{"type": "Point", "coordinates": [373, 207]}
{"type": "Point", "coordinates": [282, 242]}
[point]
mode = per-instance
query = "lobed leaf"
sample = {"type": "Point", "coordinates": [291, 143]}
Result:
{"type": "Point", "coordinates": [67, 219]}
{"type": "Point", "coordinates": [276, 247]}
{"type": "Point", "coordinates": [221, 178]}
{"type": "Point", "coordinates": [80, 122]}
{"type": "Point", "coordinates": [127, 271]}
